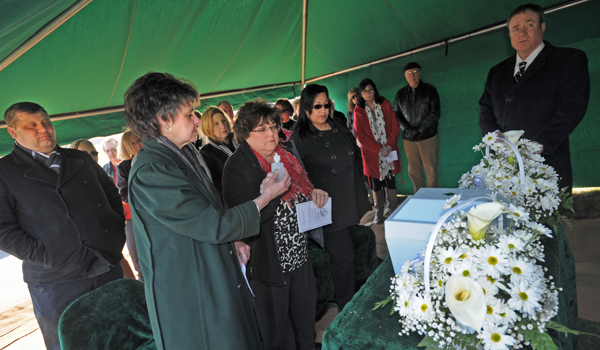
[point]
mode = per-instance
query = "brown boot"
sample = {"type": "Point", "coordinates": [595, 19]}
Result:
{"type": "Point", "coordinates": [391, 202]}
{"type": "Point", "coordinates": [379, 199]}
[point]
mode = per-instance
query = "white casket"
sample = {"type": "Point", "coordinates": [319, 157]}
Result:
{"type": "Point", "coordinates": [408, 229]}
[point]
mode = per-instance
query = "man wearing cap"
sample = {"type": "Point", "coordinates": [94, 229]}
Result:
{"type": "Point", "coordinates": [542, 89]}
{"type": "Point", "coordinates": [417, 107]}
{"type": "Point", "coordinates": [60, 213]}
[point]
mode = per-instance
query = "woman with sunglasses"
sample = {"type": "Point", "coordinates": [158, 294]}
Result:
{"type": "Point", "coordinates": [377, 130]}
{"type": "Point", "coordinates": [333, 163]}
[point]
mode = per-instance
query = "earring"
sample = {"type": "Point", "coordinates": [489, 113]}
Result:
{"type": "Point", "coordinates": [169, 130]}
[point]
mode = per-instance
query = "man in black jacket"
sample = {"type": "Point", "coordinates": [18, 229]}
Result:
{"type": "Point", "coordinates": [417, 107]}
{"type": "Point", "coordinates": [542, 89]}
{"type": "Point", "coordinates": [60, 213]}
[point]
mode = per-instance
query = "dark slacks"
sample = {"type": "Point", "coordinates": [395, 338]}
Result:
{"type": "Point", "coordinates": [286, 314]}
{"type": "Point", "coordinates": [341, 248]}
{"type": "Point", "coordinates": [387, 182]}
{"type": "Point", "coordinates": [49, 302]}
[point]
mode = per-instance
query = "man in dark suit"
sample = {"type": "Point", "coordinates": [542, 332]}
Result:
{"type": "Point", "coordinates": [543, 90]}
{"type": "Point", "coordinates": [60, 213]}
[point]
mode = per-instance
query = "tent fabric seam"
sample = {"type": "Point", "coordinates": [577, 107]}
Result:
{"type": "Point", "coordinates": [124, 54]}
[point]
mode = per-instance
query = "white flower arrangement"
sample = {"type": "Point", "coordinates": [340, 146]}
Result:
{"type": "Point", "coordinates": [537, 191]}
{"type": "Point", "coordinates": [488, 290]}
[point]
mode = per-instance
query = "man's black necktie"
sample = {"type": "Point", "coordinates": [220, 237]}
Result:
{"type": "Point", "coordinates": [522, 66]}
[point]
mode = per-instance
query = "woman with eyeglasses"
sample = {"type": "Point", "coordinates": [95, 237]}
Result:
{"type": "Point", "coordinates": [333, 163]}
{"type": "Point", "coordinates": [352, 101]}
{"type": "Point", "coordinates": [196, 294]}
{"type": "Point", "coordinates": [129, 146]}
{"type": "Point", "coordinates": [279, 270]}
{"type": "Point", "coordinates": [377, 130]}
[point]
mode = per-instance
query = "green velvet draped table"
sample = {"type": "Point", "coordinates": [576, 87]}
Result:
{"type": "Point", "coordinates": [359, 327]}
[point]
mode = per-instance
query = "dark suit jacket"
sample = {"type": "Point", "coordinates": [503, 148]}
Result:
{"type": "Point", "coordinates": [65, 227]}
{"type": "Point", "coordinates": [548, 102]}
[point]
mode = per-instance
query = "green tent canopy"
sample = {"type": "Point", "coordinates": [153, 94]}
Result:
{"type": "Point", "coordinates": [87, 53]}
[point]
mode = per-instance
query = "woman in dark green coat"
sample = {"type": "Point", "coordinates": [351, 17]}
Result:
{"type": "Point", "coordinates": [196, 294]}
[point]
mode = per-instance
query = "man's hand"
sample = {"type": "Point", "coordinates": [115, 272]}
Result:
{"type": "Point", "coordinates": [411, 132]}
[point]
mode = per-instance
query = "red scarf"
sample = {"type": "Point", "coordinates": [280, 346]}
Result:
{"type": "Point", "coordinates": [300, 182]}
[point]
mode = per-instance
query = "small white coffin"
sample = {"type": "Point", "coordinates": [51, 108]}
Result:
{"type": "Point", "coordinates": [408, 229]}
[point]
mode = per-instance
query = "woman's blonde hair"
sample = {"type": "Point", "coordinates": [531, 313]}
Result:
{"type": "Point", "coordinates": [205, 129]}
{"type": "Point", "coordinates": [126, 149]}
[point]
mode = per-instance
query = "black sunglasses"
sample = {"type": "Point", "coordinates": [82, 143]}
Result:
{"type": "Point", "coordinates": [317, 107]}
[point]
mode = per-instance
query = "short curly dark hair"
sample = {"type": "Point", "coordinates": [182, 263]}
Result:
{"type": "Point", "coordinates": [156, 95]}
{"type": "Point", "coordinates": [252, 114]}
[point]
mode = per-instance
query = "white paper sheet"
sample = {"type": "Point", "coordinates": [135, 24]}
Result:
{"type": "Point", "coordinates": [243, 266]}
{"type": "Point", "coordinates": [311, 217]}
{"type": "Point", "coordinates": [391, 157]}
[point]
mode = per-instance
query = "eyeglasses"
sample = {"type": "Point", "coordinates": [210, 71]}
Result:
{"type": "Point", "coordinates": [353, 97]}
{"type": "Point", "coordinates": [317, 107]}
{"type": "Point", "coordinates": [411, 72]}
{"type": "Point", "coordinates": [262, 131]}
{"type": "Point", "coordinates": [94, 153]}
{"type": "Point", "coordinates": [369, 91]}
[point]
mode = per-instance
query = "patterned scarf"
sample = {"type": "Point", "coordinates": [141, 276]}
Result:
{"type": "Point", "coordinates": [300, 182]}
{"type": "Point", "coordinates": [377, 123]}
{"type": "Point", "coordinates": [52, 161]}
{"type": "Point", "coordinates": [189, 155]}
{"type": "Point", "coordinates": [223, 146]}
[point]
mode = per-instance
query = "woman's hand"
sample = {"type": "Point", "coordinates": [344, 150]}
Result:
{"type": "Point", "coordinates": [319, 197]}
{"type": "Point", "coordinates": [243, 252]}
{"type": "Point", "coordinates": [270, 188]}
{"type": "Point", "coordinates": [385, 151]}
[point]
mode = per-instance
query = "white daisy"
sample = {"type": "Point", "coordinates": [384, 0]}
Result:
{"type": "Point", "coordinates": [493, 261]}
{"type": "Point", "coordinates": [448, 258]}
{"type": "Point", "coordinates": [489, 288]}
{"type": "Point", "coordinates": [494, 309]}
{"type": "Point", "coordinates": [511, 244]}
{"type": "Point", "coordinates": [520, 270]}
{"type": "Point", "coordinates": [451, 203]}
{"type": "Point", "coordinates": [525, 298]}
{"type": "Point", "coordinates": [517, 213]}
{"type": "Point", "coordinates": [495, 338]}
{"type": "Point", "coordinates": [541, 229]}
{"type": "Point", "coordinates": [421, 308]}
{"type": "Point", "coordinates": [403, 304]}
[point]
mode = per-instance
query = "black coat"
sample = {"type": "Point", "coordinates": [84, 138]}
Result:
{"type": "Point", "coordinates": [242, 177]}
{"type": "Point", "coordinates": [421, 113]}
{"type": "Point", "coordinates": [548, 102]}
{"type": "Point", "coordinates": [215, 159]}
{"type": "Point", "coordinates": [65, 227]}
{"type": "Point", "coordinates": [324, 167]}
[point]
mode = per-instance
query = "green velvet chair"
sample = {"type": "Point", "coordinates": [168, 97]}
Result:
{"type": "Point", "coordinates": [113, 316]}
{"type": "Point", "coordinates": [366, 262]}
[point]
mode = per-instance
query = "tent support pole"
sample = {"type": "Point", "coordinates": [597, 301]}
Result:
{"type": "Point", "coordinates": [443, 42]}
{"type": "Point", "coordinates": [304, 26]}
{"type": "Point", "coordinates": [43, 32]}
